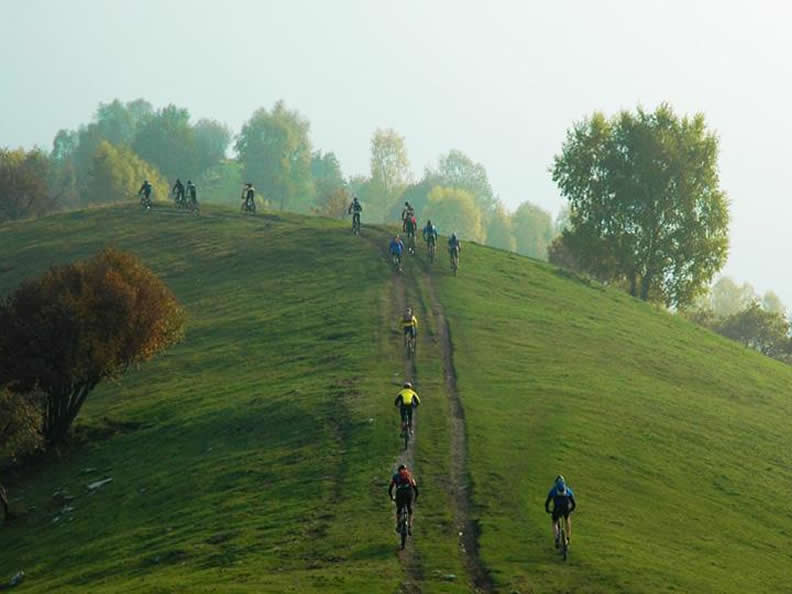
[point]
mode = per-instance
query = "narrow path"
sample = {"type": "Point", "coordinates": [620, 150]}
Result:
{"type": "Point", "coordinates": [467, 528]}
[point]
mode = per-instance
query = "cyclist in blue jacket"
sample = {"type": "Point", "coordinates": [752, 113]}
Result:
{"type": "Point", "coordinates": [564, 504]}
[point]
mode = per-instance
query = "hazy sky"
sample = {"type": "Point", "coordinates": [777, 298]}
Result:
{"type": "Point", "coordinates": [501, 81]}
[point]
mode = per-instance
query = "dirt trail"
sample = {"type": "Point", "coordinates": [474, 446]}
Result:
{"type": "Point", "coordinates": [467, 527]}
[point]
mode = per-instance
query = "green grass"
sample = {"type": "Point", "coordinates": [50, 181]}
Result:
{"type": "Point", "coordinates": [676, 441]}
{"type": "Point", "coordinates": [268, 436]}
{"type": "Point", "coordinates": [255, 455]}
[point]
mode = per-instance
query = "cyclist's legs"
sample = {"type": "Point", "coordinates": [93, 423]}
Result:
{"type": "Point", "coordinates": [404, 413]}
{"type": "Point", "coordinates": [409, 410]}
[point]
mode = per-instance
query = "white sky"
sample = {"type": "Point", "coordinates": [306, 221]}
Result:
{"type": "Point", "coordinates": [501, 81]}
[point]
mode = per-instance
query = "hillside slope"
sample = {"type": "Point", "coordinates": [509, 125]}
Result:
{"type": "Point", "coordinates": [255, 455]}
{"type": "Point", "coordinates": [676, 441]}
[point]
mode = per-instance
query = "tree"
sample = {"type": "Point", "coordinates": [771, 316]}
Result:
{"type": "Point", "coordinates": [458, 170]}
{"type": "Point", "coordinates": [275, 151]}
{"type": "Point", "coordinates": [644, 196]}
{"type": "Point", "coordinates": [390, 171]}
{"type": "Point", "coordinates": [80, 323]}
{"type": "Point", "coordinates": [24, 191]}
{"type": "Point", "coordinates": [334, 204]}
{"type": "Point", "coordinates": [454, 210]}
{"type": "Point", "coordinates": [167, 141]}
{"type": "Point", "coordinates": [756, 328]}
{"type": "Point", "coordinates": [533, 230]}
{"type": "Point", "coordinates": [728, 298]}
{"type": "Point", "coordinates": [211, 143]}
{"type": "Point", "coordinates": [772, 303]}
{"type": "Point", "coordinates": [499, 229]}
{"type": "Point", "coordinates": [117, 174]}
{"type": "Point", "coordinates": [20, 424]}
{"type": "Point", "coordinates": [326, 175]}
{"type": "Point", "coordinates": [221, 182]}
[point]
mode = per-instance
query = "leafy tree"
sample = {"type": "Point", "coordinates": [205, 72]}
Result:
{"type": "Point", "coordinates": [728, 298]}
{"type": "Point", "coordinates": [417, 194]}
{"type": "Point", "coordinates": [167, 141]}
{"type": "Point", "coordinates": [211, 143]}
{"type": "Point", "coordinates": [645, 199]}
{"type": "Point", "coordinates": [458, 170]}
{"type": "Point", "coordinates": [221, 183]}
{"type": "Point", "coordinates": [275, 151]}
{"type": "Point", "coordinates": [390, 171]}
{"type": "Point", "coordinates": [764, 331]}
{"type": "Point", "coordinates": [499, 229]}
{"type": "Point", "coordinates": [20, 424]}
{"type": "Point", "coordinates": [772, 303]}
{"type": "Point", "coordinates": [80, 323]}
{"type": "Point", "coordinates": [117, 174]}
{"type": "Point", "coordinates": [454, 210]}
{"type": "Point", "coordinates": [24, 191]}
{"type": "Point", "coordinates": [326, 175]}
{"type": "Point", "coordinates": [334, 204]}
{"type": "Point", "coordinates": [533, 230]}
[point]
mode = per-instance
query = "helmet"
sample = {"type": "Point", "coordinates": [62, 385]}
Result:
{"type": "Point", "coordinates": [560, 483]}
{"type": "Point", "coordinates": [402, 467]}
{"type": "Point", "coordinates": [407, 385]}
{"type": "Point", "coordinates": [145, 181]}
{"type": "Point", "coordinates": [189, 182]}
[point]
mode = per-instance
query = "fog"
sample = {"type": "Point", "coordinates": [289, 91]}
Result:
{"type": "Point", "coordinates": [501, 82]}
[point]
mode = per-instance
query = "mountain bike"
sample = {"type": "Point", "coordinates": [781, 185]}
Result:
{"type": "Point", "coordinates": [432, 247]}
{"type": "Point", "coordinates": [563, 546]}
{"type": "Point", "coordinates": [193, 206]}
{"type": "Point", "coordinates": [145, 202]}
{"type": "Point", "coordinates": [356, 224]}
{"type": "Point", "coordinates": [180, 201]}
{"type": "Point", "coordinates": [411, 243]}
{"type": "Point", "coordinates": [405, 433]}
{"type": "Point", "coordinates": [409, 345]}
{"type": "Point", "coordinates": [455, 260]}
{"type": "Point", "coordinates": [404, 526]}
{"type": "Point", "coordinates": [248, 205]}
{"type": "Point", "coordinates": [396, 262]}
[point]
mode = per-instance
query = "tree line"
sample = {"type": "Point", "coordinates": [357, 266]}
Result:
{"type": "Point", "coordinates": [106, 159]}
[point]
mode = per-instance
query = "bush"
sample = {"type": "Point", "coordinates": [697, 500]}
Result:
{"type": "Point", "coordinates": [79, 324]}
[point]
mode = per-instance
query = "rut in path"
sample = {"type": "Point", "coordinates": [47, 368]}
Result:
{"type": "Point", "coordinates": [467, 528]}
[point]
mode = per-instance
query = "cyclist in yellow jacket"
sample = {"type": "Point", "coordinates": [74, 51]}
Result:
{"type": "Point", "coordinates": [407, 400]}
{"type": "Point", "coordinates": [410, 323]}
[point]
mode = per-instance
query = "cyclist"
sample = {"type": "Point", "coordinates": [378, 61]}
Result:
{"type": "Point", "coordinates": [407, 213]}
{"type": "Point", "coordinates": [405, 486]}
{"type": "Point", "coordinates": [145, 191]}
{"type": "Point", "coordinates": [249, 195]}
{"type": "Point", "coordinates": [410, 323]}
{"type": "Point", "coordinates": [430, 233]}
{"type": "Point", "coordinates": [192, 193]}
{"type": "Point", "coordinates": [355, 208]}
{"type": "Point", "coordinates": [564, 504]}
{"type": "Point", "coordinates": [407, 400]}
{"type": "Point", "coordinates": [178, 191]}
{"type": "Point", "coordinates": [396, 248]}
{"type": "Point", "coordinates": [454, 246]}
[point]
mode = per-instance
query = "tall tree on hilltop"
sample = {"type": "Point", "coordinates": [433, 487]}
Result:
{"type": "Point", "coordinates": [390, 171]}
{"type": "Point", "coordinates": [646, 206]}
{"type": "Point", "coordinates": [167, 141]}
{"type": "Point", "coordinates": [275, 151]}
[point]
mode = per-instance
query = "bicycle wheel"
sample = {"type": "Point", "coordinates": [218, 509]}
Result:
{"type": "Point", "coordinates": [403, 525]}
{"type": "Point", "coordinates": [564, 545]}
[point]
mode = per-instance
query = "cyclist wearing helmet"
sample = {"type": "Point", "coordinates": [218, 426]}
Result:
{"type": "Point", "coordinates": [178, 191]}
{"type": "Point", "coordinates": [407, 214]}
{"type": "Point", "coordinates": [454, 246]}
{"type": "Point", "coordinates": [563, 499]}
{"type": "Point", "coordinates": [145, 190]}
{"type": "Point", "coordinates": [430, 232]}
{"type": "Point", "coordinates": [354, 209]}
{"type": "Point", "coordinates": [396, 247]}
{"type": "Point", "coordinates": [405, 486]}
{"type": "Point", "coordinates": [192, 192]}
{"type": "Point", "coordinates": [407, 399]}
{"type": "Point", "coordinates": [410, 323]}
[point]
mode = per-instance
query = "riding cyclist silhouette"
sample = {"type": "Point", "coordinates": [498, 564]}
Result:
{"type": "Point", "coordinates": [406, 494]}
{"type": "Point", "coordinates": [564, 504]}
{"type": "Point", "coordinates": [407, 400]}
{"type": "Point", "coordinates": [355, 209]}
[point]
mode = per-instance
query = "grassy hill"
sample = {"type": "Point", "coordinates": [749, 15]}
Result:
{"type": "Point", "coordinates": [255, 455]}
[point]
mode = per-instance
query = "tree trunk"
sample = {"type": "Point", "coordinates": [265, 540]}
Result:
{"type": "Point", "coordinates": [646, 283]}
{"type": "Point", "coordinates": [633, 284]}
